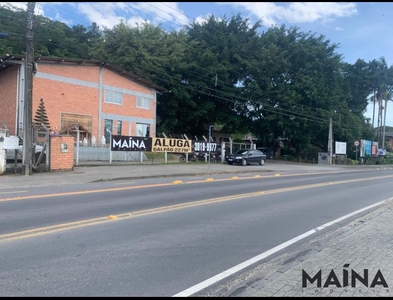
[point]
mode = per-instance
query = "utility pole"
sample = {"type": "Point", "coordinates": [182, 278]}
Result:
{"type": "Point", "coordinates": [330, 142]}
{"type": "Point", "coordinates": [209, 146]}
{"type": "Point", "coordinates": [28, 128]}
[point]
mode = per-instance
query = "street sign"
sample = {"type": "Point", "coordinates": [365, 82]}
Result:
{"type": "Point", "coordinates": [356, 143]}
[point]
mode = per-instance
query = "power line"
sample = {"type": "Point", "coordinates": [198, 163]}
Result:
{"type": "Point", "coordinates": [264, 96]}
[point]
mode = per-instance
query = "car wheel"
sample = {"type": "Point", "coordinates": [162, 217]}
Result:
{"type": "Point", "coordinates": [262, 162]}
{"type": "Point", "coordinates": [182, 159]}
{"type": "Point", "coordinates": [230, 163]}
{"type": "Point", "coordinates": [43, 159]}
{"type": "Point", "coordinates": [244, 162]}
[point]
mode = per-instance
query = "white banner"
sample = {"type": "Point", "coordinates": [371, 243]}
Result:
{"type": "Point", "coordinates": [341, 147]}
{"type": "Point", "coordinates": [11, 142]}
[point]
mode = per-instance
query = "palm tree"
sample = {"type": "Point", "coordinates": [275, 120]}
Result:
{"type": "Point", "coordinates": [374, 70]}
{"type": "Point", "coordinates": [381, 78]}
{"type": "Point", "coordinates": [388, 95]}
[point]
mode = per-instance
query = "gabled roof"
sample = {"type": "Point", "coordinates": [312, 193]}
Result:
{"type": "Point", "coordinates": [7, 61]}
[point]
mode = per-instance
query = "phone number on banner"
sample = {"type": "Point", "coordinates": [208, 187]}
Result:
{"type": "Point", "coordinates": [205, 147]}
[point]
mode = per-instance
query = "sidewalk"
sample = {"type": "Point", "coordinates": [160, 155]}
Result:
{"type": "Point", "coordinates": [366, 243]}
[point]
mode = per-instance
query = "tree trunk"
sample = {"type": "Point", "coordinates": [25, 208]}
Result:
{"type": "Point", "coordinates": [384, 122]}
{"type": "Point", "coordinates": [373, 110]}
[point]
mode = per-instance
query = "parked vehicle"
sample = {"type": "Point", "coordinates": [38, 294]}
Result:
{"type": "Point", "coordinates": [193, 156]}
{"type": "Point", "coordinates": [245, 157]}
{"type": "Point", "coordinates": [216, 158]}
{"type": "Point", "coordinates": [268, 152]}
{"type": "Point", "coordinates": [10, 154]}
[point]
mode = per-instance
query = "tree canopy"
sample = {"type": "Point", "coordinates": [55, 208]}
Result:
{"type": "Point", "coordinates": [279, 82]}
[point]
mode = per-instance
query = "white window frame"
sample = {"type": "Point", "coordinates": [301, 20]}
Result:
{"type": "Point", "coordinates": [142, 129]}
{"type": "Point", "coordinates": [113, 97]}
{"type": "Point", "coordinates": [119, 127]}
{"type": "Point", "coordinates": [143, 102]}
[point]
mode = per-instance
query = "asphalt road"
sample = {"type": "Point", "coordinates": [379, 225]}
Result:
{"type": "Point", "coordinates": [162, 238]}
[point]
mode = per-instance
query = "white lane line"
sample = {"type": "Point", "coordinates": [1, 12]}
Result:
{"type": "Point", "coordinates": [204, 284]}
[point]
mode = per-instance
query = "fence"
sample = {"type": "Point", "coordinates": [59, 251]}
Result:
{"type": "Point", "coordinates": [232, 147]}
{"type": "Point", "coordinates": [96, 153]}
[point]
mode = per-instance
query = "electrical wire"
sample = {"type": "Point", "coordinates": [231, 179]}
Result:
{"type": "Point", "coordinates": [282, 111]}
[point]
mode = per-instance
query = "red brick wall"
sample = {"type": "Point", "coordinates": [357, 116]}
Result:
{"type": "Point", "coordinates": [61, 161]}
{"type": "Point", "coordinates": [8, 98]}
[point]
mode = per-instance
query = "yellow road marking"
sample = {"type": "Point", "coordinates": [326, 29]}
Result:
{"type": "Point", "coordinates": [110, 218]}
{"type": "Point", "coordinates": [152, 185]}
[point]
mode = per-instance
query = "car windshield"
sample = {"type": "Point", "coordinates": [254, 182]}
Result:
{"type": "Point", "coordinates": [241, 151]}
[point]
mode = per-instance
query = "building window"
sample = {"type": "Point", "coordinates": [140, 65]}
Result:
{"type": "Point", "coordinates": [142, 102]}
{"type": "Point", "coordinates": [108, 125]}
{"type": "Point", "coordinates": [143, 130]}
{"type": "Point", "coordinates": [119, 125]}
{"type": "Point", "coordinates": [113, 97]}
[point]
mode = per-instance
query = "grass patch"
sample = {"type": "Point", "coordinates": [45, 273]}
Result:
{"type": "Point", "coordinates": [159, 156]}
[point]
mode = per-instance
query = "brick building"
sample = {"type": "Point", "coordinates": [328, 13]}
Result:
{"type": "Point", "coordinates": [90, 94]}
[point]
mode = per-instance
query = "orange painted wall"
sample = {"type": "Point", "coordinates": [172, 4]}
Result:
{"type": "Point", "coordinates": [68, 87]}
{"type": "Point", "coordinates": [60, 96]}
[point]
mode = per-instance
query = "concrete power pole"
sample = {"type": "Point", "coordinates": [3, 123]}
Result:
{"type": "Point", "coordinates": [27, 126]}
{"type": "Point", "coordinates": [330, 142]}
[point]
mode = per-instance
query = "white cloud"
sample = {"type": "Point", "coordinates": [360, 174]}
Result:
{"type": "Point", "coordinates": [105, 14]}
{"type": "Point", "coordinates": [109, 14]}
{"type": "Point", "coordinates": [296, 12]}
{"type": "Point", "coordinates": [10, 5]}
{"type": "Point", "coordinates": [162, 12]}
{"type": "Point", "coordinates": [65, 21]}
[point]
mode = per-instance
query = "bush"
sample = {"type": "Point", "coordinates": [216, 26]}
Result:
{"type": "Point", "coordinates": [384, 161]}
{"type": "Point", "coordinates": [290, 158]}
{"type": "Point", "coordinates": [311, 152]}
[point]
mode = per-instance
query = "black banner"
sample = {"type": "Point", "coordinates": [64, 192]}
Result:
{"type": "Point", "coordinates": [130, 143]}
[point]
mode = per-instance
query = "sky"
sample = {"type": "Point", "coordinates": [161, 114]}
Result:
{"type": "Point", "coordinates": [361, 29]}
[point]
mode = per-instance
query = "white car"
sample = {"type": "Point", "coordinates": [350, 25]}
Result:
{"type": "Point", "coordinates": [10, 154]}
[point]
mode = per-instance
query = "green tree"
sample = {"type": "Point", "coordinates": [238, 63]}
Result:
{"type": "Point", "coordinates": [13, 21]}
{"type": "Point", "coordinates": [382, 84]}
{"type": "Point", "coordinates": [279, 82]}
{"type": "Point", "coordinates": [41, 117]}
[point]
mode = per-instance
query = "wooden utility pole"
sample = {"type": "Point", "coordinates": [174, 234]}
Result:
{"type": "Point", "coordinates": [27, 126]}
